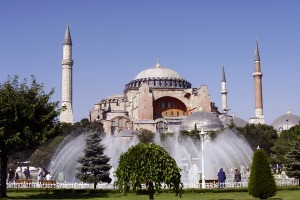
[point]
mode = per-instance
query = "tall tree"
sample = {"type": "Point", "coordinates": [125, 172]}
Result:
{"type": "Point", "coordinates": [28, 119]}
{"type": "Point", "coordinates": [293, 161]}
{"type": "Point", "coordinates": [149, 163]}
{"type": "Point", "coordinates": [261, 182]}
{"type": "Point", "coordinates": [286, 142]}
{"type": "Point", "coordinates": [94, 164]}
{"type": "Point", "coordinates": [260, 135]}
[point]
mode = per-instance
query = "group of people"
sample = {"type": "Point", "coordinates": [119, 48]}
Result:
{"type": "Point", "coordinates": [222, 178]}
{"type": "Point", "coordinates": [43, 174]}
{"type": "Point", "coordinates": [13, 175]}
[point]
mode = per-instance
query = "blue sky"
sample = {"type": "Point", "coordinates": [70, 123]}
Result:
{"type": "Point", "coordinates": [114, 40]}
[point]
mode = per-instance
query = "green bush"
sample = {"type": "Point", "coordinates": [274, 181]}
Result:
{"type": "Point", "coordinates": [261, 182]}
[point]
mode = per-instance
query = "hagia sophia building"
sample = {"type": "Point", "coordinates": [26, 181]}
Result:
{"type": "Point", "coordinates": [160, 100]}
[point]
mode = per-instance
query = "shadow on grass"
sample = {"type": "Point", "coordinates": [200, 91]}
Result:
{"type": "Point", "coordinates": [61, 196]}
{"type": "Point", "coordinates": [58, 196]}
{"type": "Point", "coordinates": [65, 194]}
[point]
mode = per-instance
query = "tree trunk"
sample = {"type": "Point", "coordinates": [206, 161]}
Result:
{"type": "Point", "coordinates": [151, 195]}
{"type": "Point", "coordinates": [95, 184]}
{"type": "Point", "coordinates": [151, 191]}
{"type": "Point", "coordinates": [4, 160]}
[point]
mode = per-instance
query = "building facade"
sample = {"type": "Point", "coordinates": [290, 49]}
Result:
{"type": "Point", "coordinates": [157, 99]}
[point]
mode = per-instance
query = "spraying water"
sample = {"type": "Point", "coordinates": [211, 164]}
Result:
{"type": "Point", "coordinates": [64, 162]}
{"type": "Point", "coordinates": [228, 151]}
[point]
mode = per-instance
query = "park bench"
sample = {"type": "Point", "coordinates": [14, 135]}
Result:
{"type": "Point", "coordinates": [23, 183]}
{"type": "Point", "coordinates": [210, 183]}
{"type": "Point", "coordinates": [48, 183]}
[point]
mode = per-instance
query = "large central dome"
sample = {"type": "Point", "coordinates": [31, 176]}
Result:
{"type": "Point", "coordinates": [158, 77]}
{"type": "Point", "coordinates": [158, 72]}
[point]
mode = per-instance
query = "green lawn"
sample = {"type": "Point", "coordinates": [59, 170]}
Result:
{"type": "Point", "coordinates": [284, 195]}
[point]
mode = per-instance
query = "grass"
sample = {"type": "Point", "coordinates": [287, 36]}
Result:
{"type": "Point", "coordinates": [282, 195]}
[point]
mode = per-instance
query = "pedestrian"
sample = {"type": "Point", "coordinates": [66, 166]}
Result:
{"type": "Point", "coordinates": [16, 175]}
{"type": "Point", "coordinates": [27, 173]}
{"type": "Point", "coordinates": [48, 176]}
{"type": "Point", "coordinates": [45, 172]}
{"type": "Point", "coordinates": [237, 177]}
{"type": "Point", "coordinates": [40, 175]}
{"type": "Point", "coordinates": [221, 178]}
{"type": "Point", "coordinates": [11, 176]}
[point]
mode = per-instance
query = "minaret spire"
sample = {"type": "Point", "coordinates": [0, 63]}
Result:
{"type": "Point", "coordinates": [259, 116]}
{"type": "Point", "coordinates": [223, 74]}
{"type": "Point", "coordinates": [66, 115]}
{"type": "Point", "coordinates": [224, 91]}
{"type": "Point", "coordinates": [256, 57]}
{"type": "Point", "coordinates": [68, 40]}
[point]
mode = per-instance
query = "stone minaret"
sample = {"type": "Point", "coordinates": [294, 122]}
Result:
{"type": "Point", "coordinates": [224, 93]}
{"type": "Point", "coordinates": [67, 63]}
{"type": "Point", "coordinates": [259, 116]}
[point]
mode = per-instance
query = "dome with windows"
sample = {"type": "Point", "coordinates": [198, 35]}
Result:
{"type": "Point", "coordinates": [158, 72]}
{"type": "Point", "coordinates": [203, 120]}
{"type": "Point", "coordinates": [158, 77]}
{"type": "Point", "coordinates": [285, 122]}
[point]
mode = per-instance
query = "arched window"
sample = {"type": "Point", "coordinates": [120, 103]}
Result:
{"type": "Point", "coordinates": [120, 123]}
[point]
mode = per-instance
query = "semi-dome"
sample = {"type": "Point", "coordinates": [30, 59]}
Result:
{"type": "Point", "coordinates": [203, 120]}
{"type": "Point", "coordinates": [285, 122]}
{"type": "Point", "coordinates": [157, 72]}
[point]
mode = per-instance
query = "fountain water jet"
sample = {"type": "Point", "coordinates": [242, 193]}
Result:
{"type": "Point", "coordinates": [228, 151]}
{"type": "Point", "coordinates": [64, 162]}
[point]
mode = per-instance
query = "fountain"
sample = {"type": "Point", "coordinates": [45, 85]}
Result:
{"type": "Point", "coordinates": [64, 162]}
{"type": "Point", "coordinates": [228, 151]}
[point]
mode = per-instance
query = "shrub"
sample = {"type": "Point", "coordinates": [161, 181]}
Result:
{"type": "Point", "coordinates": [261, 182]}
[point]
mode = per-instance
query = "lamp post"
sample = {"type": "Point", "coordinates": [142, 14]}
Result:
{"type": "Point", "coordinates": [202, 135]}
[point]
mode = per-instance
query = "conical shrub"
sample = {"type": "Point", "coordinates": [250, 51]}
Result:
{"type": "Point", "coordinates": [261, 182]}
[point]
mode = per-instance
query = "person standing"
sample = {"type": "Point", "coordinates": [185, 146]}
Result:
{"type": "Point", "coordinates": [11, 176]}
{"type": "Point", "coordinates": [48, 176]}
{"type": "Point", "coordinates": [237, 177]}
{"type": "Point", "coordinates": [16, 175]}
{"type": "Point", "coordinates": [27, 173]}
{"type": "Point", "coordinates": [221, 178]}
{"type": "Point", "coordinates": [40, 175]}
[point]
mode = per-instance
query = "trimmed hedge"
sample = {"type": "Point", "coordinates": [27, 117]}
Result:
{"type": "Point", "coordinates": [261, 182]}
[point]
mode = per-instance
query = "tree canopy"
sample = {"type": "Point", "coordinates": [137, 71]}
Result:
{"type": "Point", "coordinates": [94, 164]}
{"type": "Point", "coordinates": [148, 163]}
{"type": "Point", "coordinates": [260, 135]}
{"type": "Point", "coordinates": [28, 119]}
{"type": "Point", "coordinates": [285, 143]}
{"type": "Point", "coordinates": [42, 155]}
{"type": "Point", "coordinates": [293, 161]}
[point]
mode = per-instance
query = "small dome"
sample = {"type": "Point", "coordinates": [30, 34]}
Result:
{"type": "Point", "coordinates": [158, 72]}
{"type": "Point", "coordinates": [285, 122]}
{"type": "Point", "coordinates": [205, 120]}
